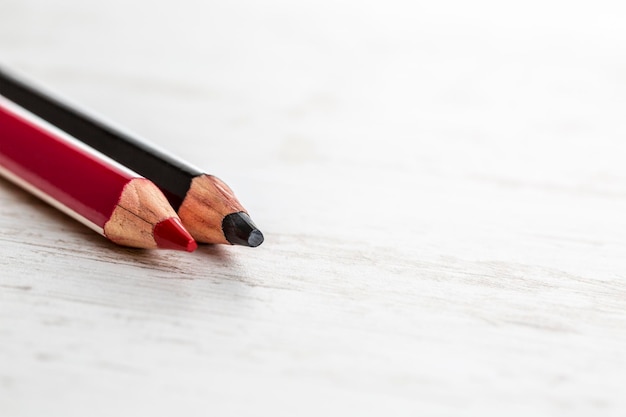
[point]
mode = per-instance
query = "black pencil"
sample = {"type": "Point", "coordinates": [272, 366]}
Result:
{"type": "Point", "coordinates": [207, 207]}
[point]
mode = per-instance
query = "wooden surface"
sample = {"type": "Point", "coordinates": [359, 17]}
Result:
{"type": "Point", "coordinates": [442, 188]}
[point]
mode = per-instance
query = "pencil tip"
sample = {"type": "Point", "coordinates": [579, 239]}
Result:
{"type": "Point", "coordinates": [239, 229]}
{"type": "Point", "coordinates": [170, 234]}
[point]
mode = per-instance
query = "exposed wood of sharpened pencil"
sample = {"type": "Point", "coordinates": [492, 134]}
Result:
{"type": "Point", "coordinates": [208, 193]}
{"type": "Point", "coordinates": [207, 207]}
{"type": "Point", "coordinates": [127, 209]}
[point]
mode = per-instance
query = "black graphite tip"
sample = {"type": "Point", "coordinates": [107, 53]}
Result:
{"type": "Point", "coordinates": [239, 229]}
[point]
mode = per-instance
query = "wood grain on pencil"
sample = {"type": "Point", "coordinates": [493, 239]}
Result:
{"type": "Point", "coordinates": [127, 209]}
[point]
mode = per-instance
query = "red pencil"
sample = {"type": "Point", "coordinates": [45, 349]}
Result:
{"type": "Point", "coordinates": [115, 202]}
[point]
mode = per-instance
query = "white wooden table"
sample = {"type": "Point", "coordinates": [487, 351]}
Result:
{"type": "Point", "coordinates": [442, 187]}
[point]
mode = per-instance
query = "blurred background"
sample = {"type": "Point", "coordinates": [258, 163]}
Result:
{"type": "Point", "coordinates": [383, 144]}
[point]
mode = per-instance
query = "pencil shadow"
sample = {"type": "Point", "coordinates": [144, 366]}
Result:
{"type": "Point", "coordinates": [216, 252]}
{"type": "Point", "coordinates": [164, 260]}
{"type": "Point", "coordinates": [107, 251]}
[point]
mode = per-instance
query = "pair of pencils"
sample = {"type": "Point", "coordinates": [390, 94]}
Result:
{"type": "Point", "coordinates": [94, 172]}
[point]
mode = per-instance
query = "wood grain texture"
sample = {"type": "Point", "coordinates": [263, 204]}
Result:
{"type": "Point", "coordinates": [204, 207]}
{"type": "Point", "coordinates": [140, 208]}
{"type": "Point", "coordinates": [441, 186]}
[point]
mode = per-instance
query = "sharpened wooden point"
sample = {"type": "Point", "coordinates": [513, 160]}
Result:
{"type": "Point", "coordinates": [239, 229]}
{"type": "Point", "coordinates": [212, 214]}
{"type": "Point", "coordinates": [170, 234]}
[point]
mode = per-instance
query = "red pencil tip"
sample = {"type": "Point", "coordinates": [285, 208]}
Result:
{"type": "Point", "coordinates": [170, 234]}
